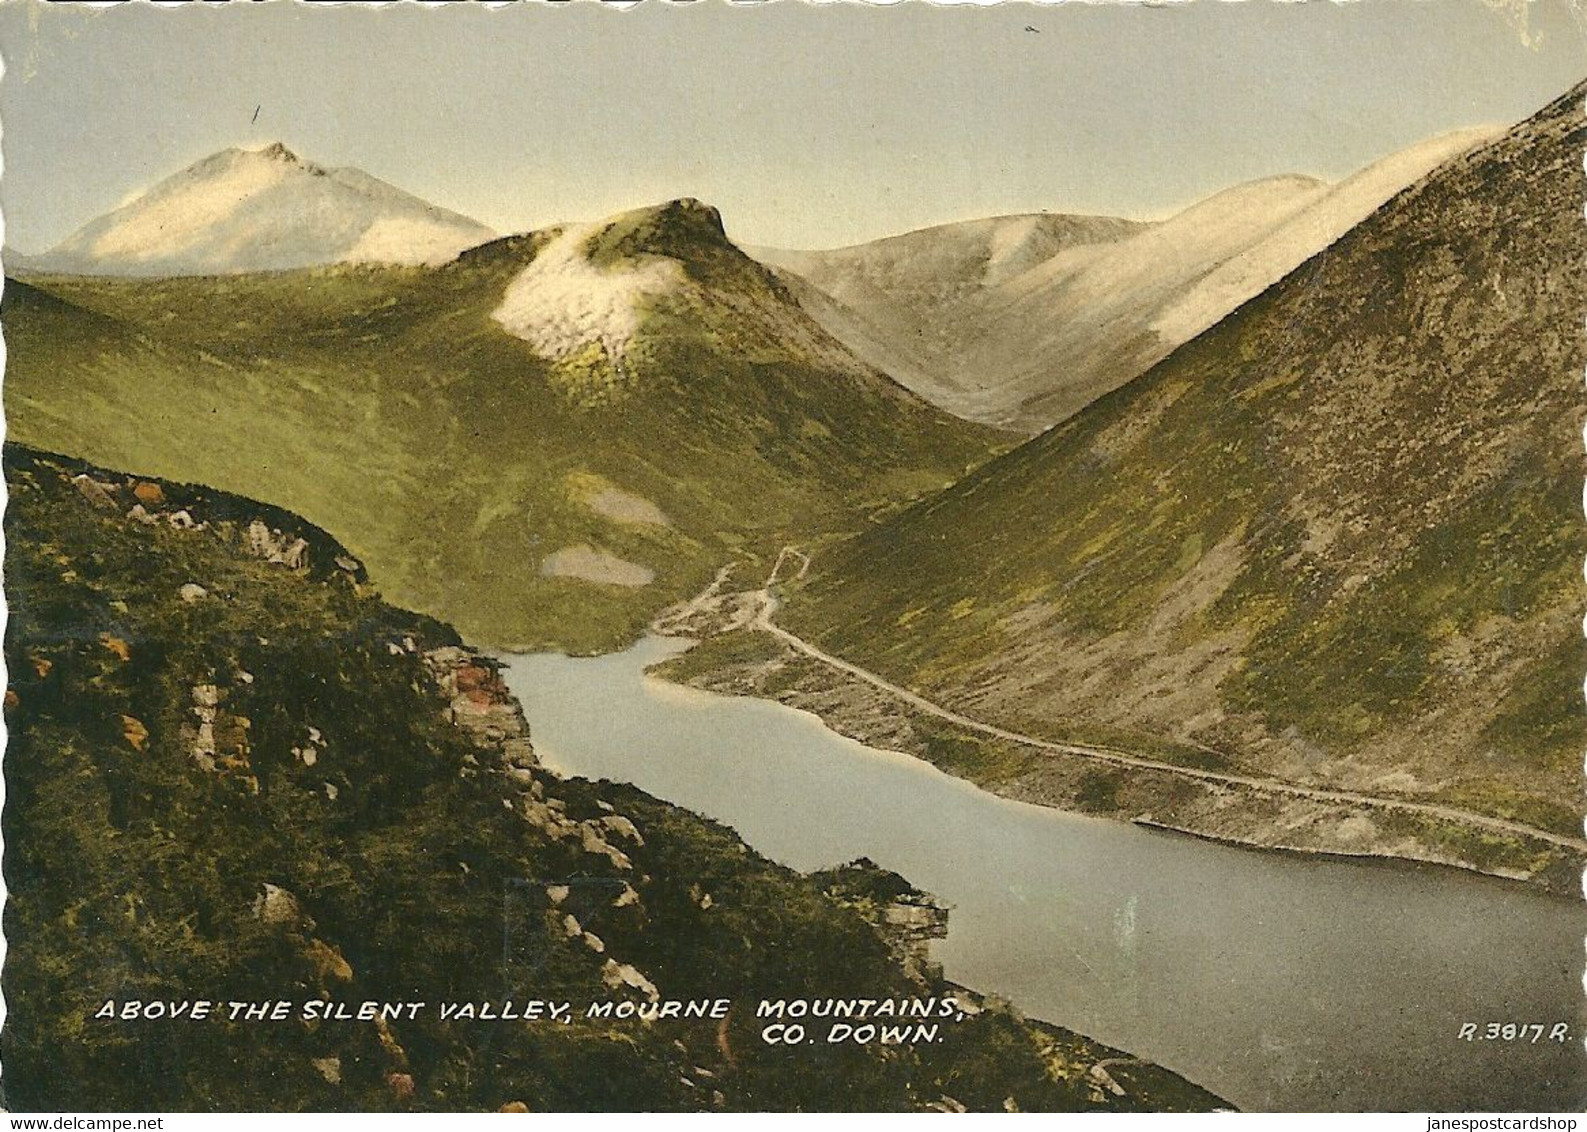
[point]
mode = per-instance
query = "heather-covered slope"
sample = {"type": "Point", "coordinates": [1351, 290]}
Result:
{"type": "Point", "coordinates": [1337, 539]}
{"type": "Point", "coordinates": [234, 774]}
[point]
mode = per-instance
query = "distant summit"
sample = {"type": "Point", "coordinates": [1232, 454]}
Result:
{"type": "Point", "coordinates": [1021, 321]}
{"type": "Point", "coordinates": [591, 291]}
{"type": "Point", "coordinates": [268, 209]}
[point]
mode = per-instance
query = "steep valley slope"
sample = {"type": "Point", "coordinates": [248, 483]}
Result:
{"type": "Point", "coordinates": [1335, 540]}
{"type": "Point", "coordinates": [234, 774]}
{"type": "Point", "coordinates": [543, 441]}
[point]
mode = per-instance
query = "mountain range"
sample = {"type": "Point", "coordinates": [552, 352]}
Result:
{"type": "Point", "coordinates": [545, 439]}
{"type": "Point", "coordinates": [1326, 535]}
{"type": "Point", "coordinates": [1334, 540]}
{"type": "Point", "coordinates": [1020, 321]}
{"type": "Point", "coordinates": [207, 803]}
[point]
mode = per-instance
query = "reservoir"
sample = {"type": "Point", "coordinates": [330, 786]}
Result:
{"type": "Point", "coordinates": [1276, 981]}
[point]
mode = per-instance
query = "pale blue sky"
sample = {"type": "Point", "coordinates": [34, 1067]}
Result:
{"type": "Point", "coordinates": [808, 126]}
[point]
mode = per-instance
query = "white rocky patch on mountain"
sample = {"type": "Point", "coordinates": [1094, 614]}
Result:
{"type": "Point", "coordinates": [562, 303]}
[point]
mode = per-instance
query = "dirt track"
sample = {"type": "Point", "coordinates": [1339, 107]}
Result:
{"type": "Point", "coordinates": [763, 622]}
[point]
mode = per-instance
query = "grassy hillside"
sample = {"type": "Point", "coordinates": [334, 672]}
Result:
{"type": "Point", "coordinates": [1337, 538]}
{"type": "Point", "coordinates": [237, 779]}
{"type": "Point", "coordinates": [389, 406]}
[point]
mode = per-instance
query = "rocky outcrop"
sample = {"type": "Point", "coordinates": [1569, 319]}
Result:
{"type": "Point", "coordinates": [478, 702]}
{"type": "Point", "coordinates": [274, 546]}
{"type": "Point", "coordinates": [909, 924]}
{"type": "Point", "coordinates": [907, 919]}
{"type": "Point", "coordinates": [260, 530]}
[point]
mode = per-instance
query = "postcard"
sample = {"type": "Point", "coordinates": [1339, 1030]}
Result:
{"type": "Point", "coordinates": [794, 557]}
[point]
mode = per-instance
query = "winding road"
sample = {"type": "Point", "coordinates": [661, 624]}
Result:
{"type": "Point", "coordinates": [767, 606]}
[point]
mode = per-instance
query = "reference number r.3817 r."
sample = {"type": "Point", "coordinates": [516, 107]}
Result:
{"type": "Point", "coordinates": [1514, 1031]}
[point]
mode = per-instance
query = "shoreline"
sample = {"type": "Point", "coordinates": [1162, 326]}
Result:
{"type": "Point", "coordinates": [762, 666]}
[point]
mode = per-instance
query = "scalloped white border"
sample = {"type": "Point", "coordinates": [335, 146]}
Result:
{"type": "Point", "coordinates": [1301, 1121]}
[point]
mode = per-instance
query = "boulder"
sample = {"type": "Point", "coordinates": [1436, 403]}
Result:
{"type": "Point", "coordinates": [622, 827]}
{"type": "Point", "coordinates": [618, 975]}
{"type": "Point", "coordinates": [275, 905]}
{"type": "Point", "coordinates": [99, 494]}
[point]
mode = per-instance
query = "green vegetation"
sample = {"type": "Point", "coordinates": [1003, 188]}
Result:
{"type": "Point", "coordinates": [1099, 791]}
{"type": "Point", "coordinates": [385, 404]}
{"type": "Point", "coordinates": [983, 761]}
{"type": "Point", "coordinates": [1340, 531]}
{"type": "Point", "coordinates": [713, 654]}
{"type": "Point", "coordinates": [232, 779]}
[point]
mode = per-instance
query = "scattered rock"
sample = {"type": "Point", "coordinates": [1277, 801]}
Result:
{"type": "Point", "coordinates": [275, 905]}
{"type": "Point", "coordinates": [294, 556]}
{"type": "Point", "coordinates": [544, 818]}
{"type": "Point", "coordinates": [1099, 1074]}
{"type": "Point", "coordinates": [623, 827]}
{"type": "Point", "coordinates": [192, 591]}
{"type": "Point", "coordinates": [99, 494]}
{"type": "Point", "coordinates": [134, 732]}
{"type": "Point", "coordinates": [521, 775]}
{"type": "Point", "coordinates": [617, 975]}
{"type": "Point", "coordinates": [329, 963]}
{"type": "Point", "coordinates": [329, 1067]}
{"type": "Point", "coordinates": [592, 842]}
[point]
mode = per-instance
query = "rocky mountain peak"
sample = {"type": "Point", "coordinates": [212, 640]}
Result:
{"type": "Point", "coordinates": [277, 151]}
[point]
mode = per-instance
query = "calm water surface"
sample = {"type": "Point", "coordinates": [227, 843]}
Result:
{"type": "Point", "coordinates": [1275, 981]}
